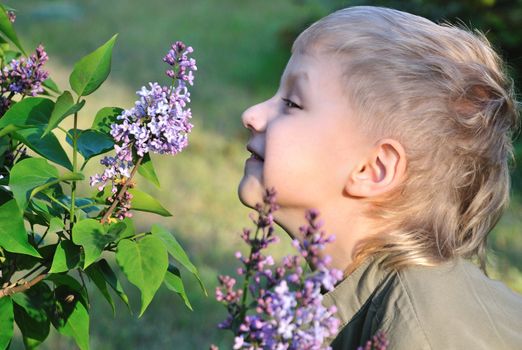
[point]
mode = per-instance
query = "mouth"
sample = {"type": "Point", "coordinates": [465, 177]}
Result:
{"type": "Point", "coordinates": [254, 155]}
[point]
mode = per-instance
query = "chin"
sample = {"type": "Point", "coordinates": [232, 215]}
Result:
{"type": "Point", "coordinates": [250, 192]}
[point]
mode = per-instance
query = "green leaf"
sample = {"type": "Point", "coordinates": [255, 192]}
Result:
{"type": "Point", "coordinates": [92, 70]}
{"type": "Point", "coordinates": [146, 169]}
{"type": "Point", "coordinates": [144, 202]}
{"type": "Point", "coordinates": [105, 117]}
{"type": "Point", "coordinates": [42, 205]}
{"type": "Point", "coordinates": [112, 280]}
{"type": "Point", "coordinates": [47, 251]}
{"type": "Point", "coordinates": [27, 262]}
{"type": "Point", "coordinates": [6, 322]}
{"type": "Point", "coordinates": [62, 279]}
{"type": "Point", "coordinates": [77, 326]}
{"type": "Point", "coordinates": [6, 28]}
{"type": "Point", "coordinates": [4, 146]}
{"type": "Point", "coordinates": [176, 251]}
{"type": "Point", "coordinates": [31, 313]}
{"type": "Point", "coordinates": [30, 343]}
{"type": "Point", "coordinates": [9, 129]}
{"type": "Point", "coordinates": [10, 55]}
{"type": "Point", "coordinates": [92, 236]}
{"type": "Point", "coordinates": [96, 275]}
{"type": "Point", "coordinates": [117, 229]}
{"type": "Point", "coordinates": [43, 208]}
{"type": "Point", "coordinates": [31, 111]}
{"type": "Point", "coordinates": [100, 197]}
{"type": "Point", "coordinates": [13, 236]}
{"type": "Point", "coordinates": [70, 316]}
{"type": "Point", "coordinates": [81, 201]}
{"type": "Point", "coordinates": [63, 108]}
{"type": "Point", "coordinates": [92, 143]}
{"type": "Point", "coordinates": [144, 263]}
{"type": "Point", "coordinates": [47, 146]}
{"type": "Point", "coordinates": [28, 174]}
{"type": "Point", "coordinates": [173, 282]}
{"type": "Point", "coordinates": [47, 186]}
{"type": "Point", "coordinates": [129, 229]}
{"type": "Point", "coordinates": [55, 225]}
{"type": "Point", "coordinates": [51, 85]}
{"type": "Point", "coordinates": [66, 257]}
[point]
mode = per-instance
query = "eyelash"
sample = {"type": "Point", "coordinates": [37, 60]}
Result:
{"type": "Point", "coordinates": [291, 104]}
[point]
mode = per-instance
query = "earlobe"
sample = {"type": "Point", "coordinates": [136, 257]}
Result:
{"type": "Point", "coordinates": [379, 173]}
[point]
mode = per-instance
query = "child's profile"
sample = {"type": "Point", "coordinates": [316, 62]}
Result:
{"type": "Point", "coordinates": [399, 132]}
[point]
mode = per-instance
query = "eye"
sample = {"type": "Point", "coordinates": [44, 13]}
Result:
{"type": "Point", "coordinates": [290, 104]}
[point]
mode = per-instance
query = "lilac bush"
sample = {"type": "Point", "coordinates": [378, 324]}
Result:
{"type": "Point", "coordinates": [158, 123]}
{"type": "Point", "coordinates": [54, 240]}
{"type": "Point", "coordinates": [280, 307]}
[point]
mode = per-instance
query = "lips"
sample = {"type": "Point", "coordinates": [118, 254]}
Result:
{"type": "Point", "coordinates": [255, 154]}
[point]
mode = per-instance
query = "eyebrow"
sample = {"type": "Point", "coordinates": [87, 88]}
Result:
{"type": "Point", "coordinates": [292, 79]}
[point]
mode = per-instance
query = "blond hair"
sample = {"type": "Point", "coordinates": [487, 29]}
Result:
{"type": "Point", "coordinates": [442, 91]}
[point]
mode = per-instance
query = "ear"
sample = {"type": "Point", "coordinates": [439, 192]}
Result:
{"type": "Point", "coordinates": [382, 171]}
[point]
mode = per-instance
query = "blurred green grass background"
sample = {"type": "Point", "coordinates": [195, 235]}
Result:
{"type": "Point", "coordinates": [241, 47]}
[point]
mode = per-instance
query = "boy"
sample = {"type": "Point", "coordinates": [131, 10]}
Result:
{"type": "Point", "coordinates": [398, 130]}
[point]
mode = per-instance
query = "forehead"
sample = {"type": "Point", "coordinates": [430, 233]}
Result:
{"type": "Point", "coordinates": [313, 71]}
{"type": "Point", "coordinates": [297, 70]}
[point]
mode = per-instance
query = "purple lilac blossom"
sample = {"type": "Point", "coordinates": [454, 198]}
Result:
{"type": "Point", "coordinates": [24, 76]}
{"type": "Point", "coordinates": [285, 309]}
{"type": "Point", "coordinates": [158, 123]}
{"type": "Point", "coordinates": [378, 342]}
{"type": "Point", "coordinates": [12, 16]}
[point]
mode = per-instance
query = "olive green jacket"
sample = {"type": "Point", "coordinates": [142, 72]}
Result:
{"type": "Point", "coordinates": [451, 306]}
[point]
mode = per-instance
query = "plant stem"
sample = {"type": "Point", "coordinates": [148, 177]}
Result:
{"type": "Point", "coordinates": [84, 287]}
{"type": "Point", "coordinates": [90, 205]}
{"type": "Point", "coordinates": [18, 150]}
{"type": "Point", "coordinates": [248, 273]}
{"type": "Point", "coordinates": [31, 272]}
{"type": "Point", "coordinates": [83, 165]}
{"type": "Point", "coordinates": [65, 132]}
{"type": "Point", "coordinates": [23, 287]}
{"type": "Point", "coordinates": [32, 230]}
{"type": "Point", "coordinates": [56, 201]}
{"type": "Point", "coordinates": [43, 237]}
{"type": "Point", "coordinates": [75, 164]}
{"type": "Point", "coordinates": [109, 212]}
{"type": "Point", "coordinates": [139, 235]}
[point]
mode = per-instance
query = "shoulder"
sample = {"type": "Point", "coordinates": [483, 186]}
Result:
{"type": "Point", "coordinates": [451, 306]}
{"type": "Point", "coordinates": [455, 305]}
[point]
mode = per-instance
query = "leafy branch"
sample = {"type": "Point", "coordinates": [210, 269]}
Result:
{"type": "Point", "coordinates": [42, 190]}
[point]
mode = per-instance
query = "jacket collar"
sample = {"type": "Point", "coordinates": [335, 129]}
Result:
{"type": "Point", "coordinates": [353, 291]}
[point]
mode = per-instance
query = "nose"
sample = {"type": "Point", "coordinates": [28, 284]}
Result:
{"type": "Point", "coordinates": [255, 118]}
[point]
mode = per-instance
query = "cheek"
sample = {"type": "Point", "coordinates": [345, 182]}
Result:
{"type": "Point", "coordinates": [298, 164]}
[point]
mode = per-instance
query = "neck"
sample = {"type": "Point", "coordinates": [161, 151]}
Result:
{"type": "Point", "coordinates": [348, 225]}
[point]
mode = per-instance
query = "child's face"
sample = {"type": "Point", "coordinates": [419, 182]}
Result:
{"type": "Point", "coordinates": [305, 137]}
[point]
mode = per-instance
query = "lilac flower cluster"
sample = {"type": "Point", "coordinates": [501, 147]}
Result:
{"type": "Point", "coordinates": [158, 123]}
{"type": "Point", "coordinates": [378, 342]}
{"type": "Point", "coordinates": [23, 76]}
{"type": "Point", "coordinates": [285, 307]}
